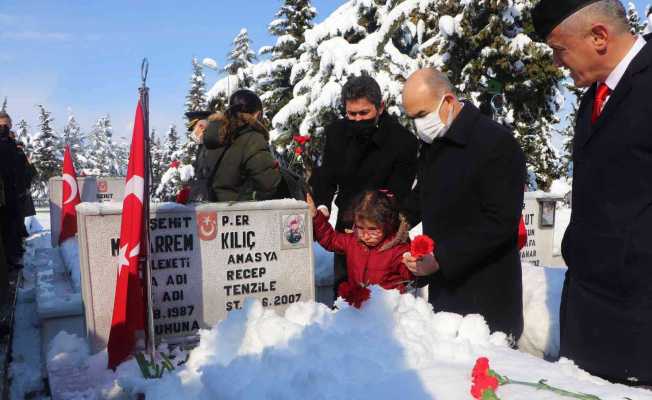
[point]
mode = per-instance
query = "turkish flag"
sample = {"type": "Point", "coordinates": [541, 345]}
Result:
{"type": "Point", "coordinates": [69, 198]}
{"type": "Point", "coordinates": [129, 305]}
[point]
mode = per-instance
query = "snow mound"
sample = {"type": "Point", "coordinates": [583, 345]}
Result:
{"type": "Point", "coordinates": [256, 353]}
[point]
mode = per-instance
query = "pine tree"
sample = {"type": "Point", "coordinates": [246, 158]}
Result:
{"type": "Point", "coordinates": [170, 146]}
{"type": "Point", "coordinates": [23, 136]}
{"type": "Point", "coordinates": [241, 57]}
{"type": "Point", "coordinates": [292, 20]}
{"type": "Point", "coordinates": [196, 98]}
{"type": "Point", "coordinates": [46, 154]}
{"type": "Point", "coordinates": [568, 131]}
{"type": "Point", "coordinates": [635, 24]}
{"type": "Point", "coordinates": [73, 137]}
{"type": "Point", "coordinates": [239, 72]}
{"type": "Point", "coordinates": [156, 153]}
{"type": "Point", "coordinates": [4, 105]}
{"type": "Point", "coordinates": [103, 155]}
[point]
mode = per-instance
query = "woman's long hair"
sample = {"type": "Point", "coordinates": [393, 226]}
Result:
{"type": "Point", "coordinates": [243, 106]}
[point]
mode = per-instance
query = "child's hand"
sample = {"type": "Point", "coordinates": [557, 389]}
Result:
{"type": "Point", "coordinates": [422, 266]}
{"type": "Point", "coordinates": [311, 205]}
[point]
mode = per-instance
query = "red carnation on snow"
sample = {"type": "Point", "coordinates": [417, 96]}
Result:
{"type": "Point", "coordinates": [485, 383]}
{"type": "Point", "coordinates": [183, 195]}
{"type": "Point", "coordinates": [354, 294]}
{"type": "Point", "coordinates": [175, 164]}
{"type": "Point", "coordinates": [301, 140]}
{"type": "Point", "coordinates": [421, 246]}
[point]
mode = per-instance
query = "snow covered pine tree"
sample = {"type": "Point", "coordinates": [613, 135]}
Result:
{"type": "Point", "coordinates": [46, 154]}
{"type": "Point", "coordinates": [101, 154]}
{"type": "Point", "coordinates": [483, 46]}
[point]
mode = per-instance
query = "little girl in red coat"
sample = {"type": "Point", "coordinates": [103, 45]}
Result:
{"type": "Point", "coordinates": [374, 255]}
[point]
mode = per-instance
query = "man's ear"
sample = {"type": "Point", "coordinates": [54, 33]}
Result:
{"type": "Point", "coordinates": [381, 108]}
{"type": "Point", "coordinates": [600, 35]}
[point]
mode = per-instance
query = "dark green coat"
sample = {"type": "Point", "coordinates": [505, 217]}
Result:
{"type": "Point", "coordinates": [247, 170]}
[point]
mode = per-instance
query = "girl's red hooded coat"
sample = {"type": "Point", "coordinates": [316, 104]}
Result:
{"type": "Point", "coordinates": [365, 266]}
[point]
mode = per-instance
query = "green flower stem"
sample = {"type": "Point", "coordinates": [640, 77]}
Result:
{"type": "Point", "coordinates": [542, 385]}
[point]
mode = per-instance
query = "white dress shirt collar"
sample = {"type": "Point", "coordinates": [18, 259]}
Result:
{"type": "Point", "coordinates": [617, 74]}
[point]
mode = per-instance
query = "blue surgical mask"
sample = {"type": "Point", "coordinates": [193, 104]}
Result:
{"type": "Point", "coordinates": [430, 127]}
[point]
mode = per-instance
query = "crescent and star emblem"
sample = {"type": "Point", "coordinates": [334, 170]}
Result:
{"type": "Point", "coordinates": [72, 183]}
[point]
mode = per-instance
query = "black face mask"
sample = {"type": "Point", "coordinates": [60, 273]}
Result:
{"type": "Point", "coordinates": [363, 130]}
{"type": "Point", "coordinates": [4, 131]}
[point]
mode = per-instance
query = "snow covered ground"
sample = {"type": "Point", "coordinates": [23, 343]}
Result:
{"type": "Point", "coordinates": [25, 370]}
{"type": "Point", "coordinates": [393, 347]}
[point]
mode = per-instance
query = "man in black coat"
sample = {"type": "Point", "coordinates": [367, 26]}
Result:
{"type": "Point", "coordinates": [367, 150]}
{"type": "Point", "coordinates": [13, 174]}
{"type": "Point", "coordinates": [469, 197]}
{"type": "Point", "coordinates": [606, 308]}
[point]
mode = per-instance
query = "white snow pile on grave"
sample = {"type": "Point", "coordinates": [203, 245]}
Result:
{"type": "Point", "coordinates": [393, 347]}
{"type": "Point", "coordinates": [542, 288]}
{"type": "Point", "coordinates": [70, 254]}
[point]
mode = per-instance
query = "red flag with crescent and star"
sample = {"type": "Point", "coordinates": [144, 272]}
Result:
{"type": "Point", "coordinates": [69, 198]}
{"type": "Point", "coordinates": [129, 304]}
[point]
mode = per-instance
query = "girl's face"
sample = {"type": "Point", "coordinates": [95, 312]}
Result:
{"type": "Point", "coordinates": [369, 232]}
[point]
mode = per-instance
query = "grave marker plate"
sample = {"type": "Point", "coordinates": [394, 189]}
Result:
{"type": "Point", "coordinates": [539, 247]}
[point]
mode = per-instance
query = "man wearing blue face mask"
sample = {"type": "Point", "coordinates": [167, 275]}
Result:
{"type": "Point", "coordinates": [469, 198]}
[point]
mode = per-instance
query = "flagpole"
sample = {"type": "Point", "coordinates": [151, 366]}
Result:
{"type": "Point", "coordinates": [145, 261]}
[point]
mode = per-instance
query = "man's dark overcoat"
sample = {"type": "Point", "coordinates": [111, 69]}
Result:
{"type": "Point", "coordinates": [469, 198]}
{"type": "Point", "coordinates": [606, 311]}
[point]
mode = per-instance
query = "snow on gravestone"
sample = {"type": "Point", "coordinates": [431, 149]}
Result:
{"type": "Point", "coordinates": [206, 259]}
{"type": "Point", "coordinates": [91, 189]}
{"type": "Point", "coordinates": [538, 250]}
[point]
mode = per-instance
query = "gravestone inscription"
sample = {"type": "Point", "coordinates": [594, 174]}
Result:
{"type": "Point", "coordinates": [206, 260]}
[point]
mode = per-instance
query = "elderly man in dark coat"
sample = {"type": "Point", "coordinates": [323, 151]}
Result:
{"type": "Point", "coordinates": [469, 198]}
{"type": "Point", "coordinates": [367, 150]}
{"type": "Point", "coordinates": [606, 309]}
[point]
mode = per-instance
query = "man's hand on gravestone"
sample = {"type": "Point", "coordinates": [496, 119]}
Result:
{"type": "Point", "coordinates": [422, 266]}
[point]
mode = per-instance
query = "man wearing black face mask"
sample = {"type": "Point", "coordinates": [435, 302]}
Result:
{"type": "Point", "coordinates": [367, 150]}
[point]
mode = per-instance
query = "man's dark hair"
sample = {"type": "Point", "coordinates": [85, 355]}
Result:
{"type": "Point", "coordinates": [362, 87]}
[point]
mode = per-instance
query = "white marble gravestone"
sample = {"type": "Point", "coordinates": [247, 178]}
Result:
{"type": "Point", "coordinates": [540, 242]}
{"type": "Point", "coordinates": [206, 259]}
{"type": "Point", "coordinates": [91, 189]}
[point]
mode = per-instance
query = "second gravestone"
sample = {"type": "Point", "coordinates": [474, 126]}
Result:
{"type": "Point", "coordinates": [206, 260]}
{"type": "Point", "coordinates": [91, 188]}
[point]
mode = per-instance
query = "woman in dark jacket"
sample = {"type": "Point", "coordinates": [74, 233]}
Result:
{"type": "Point", "coordinates": [236, 163]}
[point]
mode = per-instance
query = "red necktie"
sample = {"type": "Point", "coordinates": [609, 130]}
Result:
{"type": "Point", "coordinates": [600, 97]}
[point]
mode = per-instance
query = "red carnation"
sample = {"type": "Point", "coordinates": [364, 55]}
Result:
{"type": "Point", "coordinates": [184, 195]}
{"type": "Point", "coordinates": [522, 234]}
{"type": "Point", "coordinates": [421, 245]}
{"type": "Point", "coordinates": [175, 164]}
{"type": "Point", "coordinates": [301, 140]}
{"type": "Point", "coordinates": [485, 383]}
{"type": "Point", "coordinates": [298, 151]}
{"type": "Point", "coordinates": [354, 294]}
